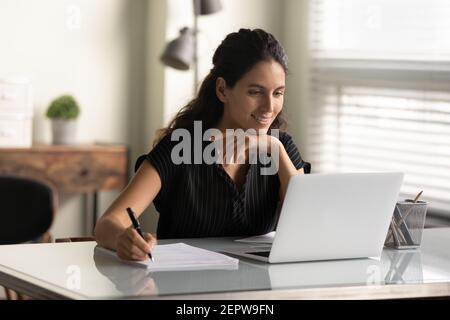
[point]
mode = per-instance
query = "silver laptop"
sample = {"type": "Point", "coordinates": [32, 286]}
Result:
{"type": "Point", "coordinates": [331, 216]}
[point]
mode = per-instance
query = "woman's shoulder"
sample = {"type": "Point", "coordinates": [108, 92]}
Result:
{"type": "Point", "coordinates": [161, 149]}
{"type": "Point", "coordinates": [283, 136]}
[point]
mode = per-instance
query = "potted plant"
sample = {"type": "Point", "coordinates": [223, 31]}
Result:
{"type": "Point", "coordinates": [63, 112]}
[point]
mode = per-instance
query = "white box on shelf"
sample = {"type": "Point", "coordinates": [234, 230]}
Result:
{"type": "Point", "coordinates": [16, 95]}
{"type": "Point", "coordinates": [16, 130]}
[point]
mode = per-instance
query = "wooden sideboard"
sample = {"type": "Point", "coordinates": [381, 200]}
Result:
{"type": "Point", "coordinates": [70, 169]}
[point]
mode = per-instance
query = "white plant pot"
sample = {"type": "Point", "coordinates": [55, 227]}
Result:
{"type": "Point", "coordinates": [64, 131]}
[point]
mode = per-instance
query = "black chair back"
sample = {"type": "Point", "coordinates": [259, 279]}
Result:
{"type": "Point", "coordinates": [26, 209]}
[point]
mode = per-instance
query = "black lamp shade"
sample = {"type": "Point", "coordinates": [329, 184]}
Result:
{"type": "Point", "coordinates": [205, 7]}
{"type": "Point", "coordinates": [179, 53]}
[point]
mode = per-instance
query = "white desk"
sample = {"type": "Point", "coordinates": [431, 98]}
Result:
{"type": "Point", "coordinates": [52, 270]}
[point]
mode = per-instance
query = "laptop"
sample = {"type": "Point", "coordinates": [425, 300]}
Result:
{"type": "Point", "coordinates": [331, 217]}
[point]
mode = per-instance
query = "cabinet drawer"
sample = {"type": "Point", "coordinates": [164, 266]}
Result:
{"type": "Point", "coordinates": [84, 172]}
{"type": "Point", "coordinates": [15, 98]}
{"type": "Point", "coordinates": [15, 131]}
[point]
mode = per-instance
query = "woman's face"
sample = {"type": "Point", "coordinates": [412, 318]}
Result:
{"type": "Point", "coordinates": [255, 100]}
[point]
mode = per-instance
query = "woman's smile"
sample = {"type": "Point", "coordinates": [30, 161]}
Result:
{"type": "Point", "coordinates": [262, 119]}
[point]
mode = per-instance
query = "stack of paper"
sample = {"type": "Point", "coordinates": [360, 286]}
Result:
{"type": "Point", "coordinates": [179, 256]}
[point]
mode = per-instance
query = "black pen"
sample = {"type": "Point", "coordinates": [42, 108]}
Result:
{"type": "Point", "coordinates": [137, 226]}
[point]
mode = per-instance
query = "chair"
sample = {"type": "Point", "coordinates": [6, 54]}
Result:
{"type": "Point", "coordinates": [27, 209]}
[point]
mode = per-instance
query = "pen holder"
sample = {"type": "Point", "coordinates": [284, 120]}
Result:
{"type": "Point", "coordinates": [406, 227]}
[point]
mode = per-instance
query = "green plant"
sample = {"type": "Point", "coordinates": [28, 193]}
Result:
{"type": "Point", "coordinates": [63, 107]}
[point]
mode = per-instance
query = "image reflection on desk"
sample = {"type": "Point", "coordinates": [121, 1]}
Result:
{"type": "Point", "coordinates": [394, 267]}
{"type": "Point", "coordinates": [324, 273]}
{"type": "Point", "coordinates": [134, 280]}
{"type": "Point", "coordinates": [404, 266]}
{"type": "Point", "coordinates": [128, 279]}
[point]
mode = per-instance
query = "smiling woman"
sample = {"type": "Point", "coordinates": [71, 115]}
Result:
{"type": "Point", "coordinates": [244, 93]}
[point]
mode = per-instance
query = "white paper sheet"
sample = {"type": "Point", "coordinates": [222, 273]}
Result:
{"type": "Point", "coordinates": [179, 256]}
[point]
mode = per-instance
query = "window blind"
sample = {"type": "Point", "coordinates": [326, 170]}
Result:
{"type": "Point", "coordinates": [380, 89]}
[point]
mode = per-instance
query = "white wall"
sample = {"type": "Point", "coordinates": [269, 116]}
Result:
{"type": "Point", "coordinates": [295, 40]}
{"type": "Point", "coordinates": [153, 115]}
{"type": "Point", "coordinates": [94, 55]}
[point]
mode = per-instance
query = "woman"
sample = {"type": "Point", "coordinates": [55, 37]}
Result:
{"type": "Point", "coordinates": [244, 90]}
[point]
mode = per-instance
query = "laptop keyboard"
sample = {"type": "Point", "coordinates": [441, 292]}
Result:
{"type": "Point", "coordinates": [260, 253]}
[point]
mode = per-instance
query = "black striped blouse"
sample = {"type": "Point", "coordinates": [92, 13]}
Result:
{"type": "Point", "coordinates": [201, 200]}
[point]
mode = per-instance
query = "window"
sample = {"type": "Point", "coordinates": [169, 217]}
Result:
{"type": "Point", "coordinates": [380, 88]}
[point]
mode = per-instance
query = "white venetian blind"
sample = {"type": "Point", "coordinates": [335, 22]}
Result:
{"type": "Point", "coordinates": [380, 87]}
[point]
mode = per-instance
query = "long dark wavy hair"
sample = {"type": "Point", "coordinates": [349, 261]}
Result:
{"type": "Point", "coordinates": [234, 57]}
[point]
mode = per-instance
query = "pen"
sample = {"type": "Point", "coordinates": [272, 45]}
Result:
{"type": "Point", "coordinates": [410, 209]}
{"type": "Point", "coordinates": [137, 227]}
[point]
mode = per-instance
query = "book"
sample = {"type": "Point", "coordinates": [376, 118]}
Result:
{"type": "Point", "coordinates": [178, 256]}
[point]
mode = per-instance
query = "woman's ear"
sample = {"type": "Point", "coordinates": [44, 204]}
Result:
{"type": "Point", "coordinates": [220, 89]}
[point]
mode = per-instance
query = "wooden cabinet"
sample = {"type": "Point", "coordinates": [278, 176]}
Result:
{"type": "Point", "coordinates": [70, 169]}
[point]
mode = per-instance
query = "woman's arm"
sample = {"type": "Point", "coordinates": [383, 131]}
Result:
{"type": "Point", "coordinates": [286, 168]}
{"type": "Point", "coordinates": [113, 228]}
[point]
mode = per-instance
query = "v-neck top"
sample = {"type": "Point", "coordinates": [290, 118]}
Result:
{"type": "Point", "coordinates": [201, 200]}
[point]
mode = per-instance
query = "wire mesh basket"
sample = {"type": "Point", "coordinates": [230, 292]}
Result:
{"type": "Point", "coordinates": [408, 220]}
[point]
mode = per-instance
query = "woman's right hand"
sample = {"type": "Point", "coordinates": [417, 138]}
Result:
{"type": "Point", "coordinates": [131, 246]}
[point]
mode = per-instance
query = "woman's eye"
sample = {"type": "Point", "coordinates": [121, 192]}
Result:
{"type": "Point", "coordinates": [254, 92]}
{"type": "Point", "coordinates": [279, 94]}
